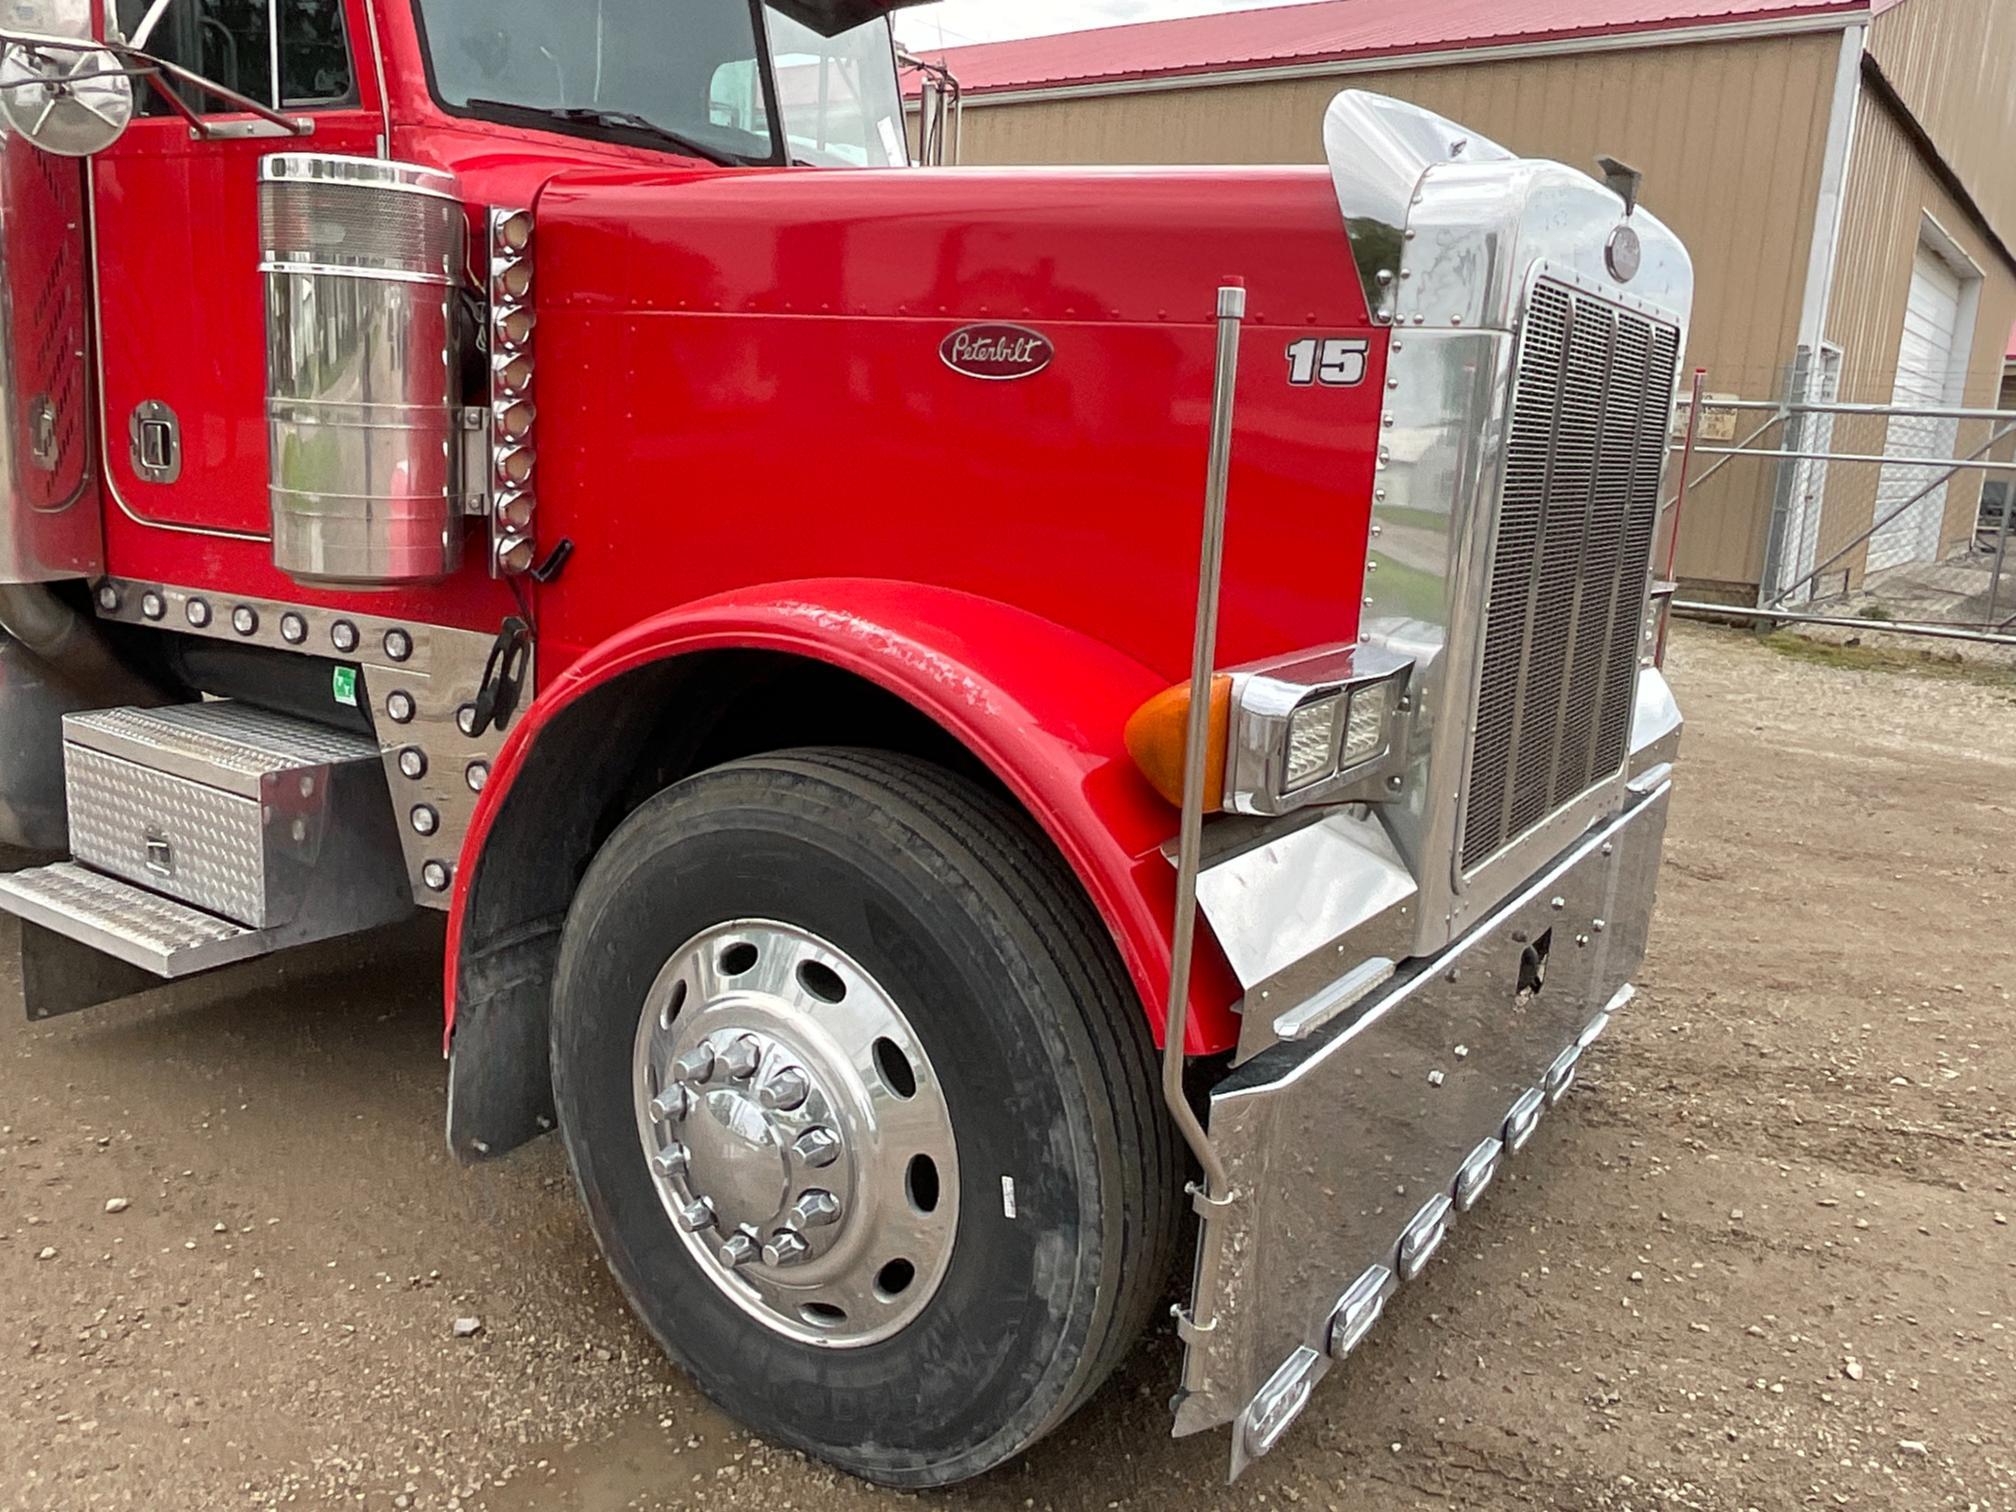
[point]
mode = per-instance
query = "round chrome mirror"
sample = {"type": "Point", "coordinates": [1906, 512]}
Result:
{"type": "Point", "coordinates": [72, 101]}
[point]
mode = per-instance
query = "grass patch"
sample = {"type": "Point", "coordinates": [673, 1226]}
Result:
{"type": "Point", "coordinates": [1436, 520]}
{"type": "Point", "coordinates": [1947, 665]}
{"type": "Point", "coordinates": [1409, 591]}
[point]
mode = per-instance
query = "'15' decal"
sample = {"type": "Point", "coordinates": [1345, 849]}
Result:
{"type": "Point", "coordinates": [1336, 362]}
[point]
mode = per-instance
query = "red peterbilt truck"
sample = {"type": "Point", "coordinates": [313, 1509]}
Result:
{"type": "Point", "coordinates": [861, 654]}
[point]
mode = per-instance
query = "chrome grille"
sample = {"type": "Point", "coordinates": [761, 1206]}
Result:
{"type": "Point", "coordinates": [1584, 454]}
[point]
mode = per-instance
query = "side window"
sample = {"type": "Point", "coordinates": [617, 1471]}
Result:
{"type": "Point", "coordinates": [735, 99]}
{"type": "Point", "coordinates": [314, 54]}
{"type": "Point", "coordinates": [227, 41]}
{"type": "Point", "coordinates": [232, 43]}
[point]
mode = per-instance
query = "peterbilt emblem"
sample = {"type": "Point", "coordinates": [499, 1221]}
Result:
{"type": "Point", "coordinates": [997, 353]}
{"type": "Point", "coordinates": [1624, 254]}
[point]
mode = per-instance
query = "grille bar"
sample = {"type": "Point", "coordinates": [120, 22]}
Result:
{"type": "Point", "coordinates": [1584, 455]}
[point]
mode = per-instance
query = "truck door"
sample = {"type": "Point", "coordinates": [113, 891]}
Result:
{"type": "Point", "coordinates": [176, 230]}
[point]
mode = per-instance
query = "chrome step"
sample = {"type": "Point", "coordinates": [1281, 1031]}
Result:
{"type": "Point", "coordinates": [119, 919]}
{"type": "Point", "coordinates": [201, 836]}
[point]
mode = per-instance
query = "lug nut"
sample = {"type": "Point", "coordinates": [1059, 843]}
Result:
{"type": "Point", "coordinates": [815, 1209]}
{"type": "Point", "coordinates": [818, 1148]}
{"type": "Point", "coordinates": [697, 1214]}
{"type": "Point", "coordinates": [739, 1250]}
{"type": "Point", "coordinates": [785, 1091]}
{"type": "Point", "coordinates": [739, 1059]}
{"type": "Point", "coordinates": [669, 1161]}
{"type": "Point", "coordinates": [696, 1065]}
{"type": "Point", "coordinates": [675, 1102]}
{"type": "Point", "coordinates": [786, 1247]}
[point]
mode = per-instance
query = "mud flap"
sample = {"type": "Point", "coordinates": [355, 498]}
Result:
{"type": "Point", "coordinates": [60, 976]}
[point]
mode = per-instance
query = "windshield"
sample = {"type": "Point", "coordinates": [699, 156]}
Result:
{"type": "Point", "coordinates": [692, 70]}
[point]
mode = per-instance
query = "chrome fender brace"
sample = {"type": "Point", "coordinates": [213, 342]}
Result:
{"type": "Point", "coordinates": [1215, 1189]}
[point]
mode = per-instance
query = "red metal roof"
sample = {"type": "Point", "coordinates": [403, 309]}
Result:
{"type": "Point", "coordinates": [1337, 31]}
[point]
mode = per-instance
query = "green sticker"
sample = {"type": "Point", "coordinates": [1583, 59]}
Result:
{"type": "Point", "coordinates": [344, 685]}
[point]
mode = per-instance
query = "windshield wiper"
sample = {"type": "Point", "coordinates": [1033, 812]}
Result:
{"type": "Point", "coordinates": [619, 120]}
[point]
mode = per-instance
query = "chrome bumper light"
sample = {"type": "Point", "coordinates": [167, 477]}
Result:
{"type": "Point", "coordinates": [1321, 727]}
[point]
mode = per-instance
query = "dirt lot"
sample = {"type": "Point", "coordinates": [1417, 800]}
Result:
{"type": "Point", "coordinates": [1762, 1258]}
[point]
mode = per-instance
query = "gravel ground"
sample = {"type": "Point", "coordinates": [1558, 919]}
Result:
{"type": "Point", "coordinates": [1763, 1258]}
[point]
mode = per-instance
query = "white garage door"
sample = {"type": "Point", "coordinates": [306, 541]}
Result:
{"type": "Point", "coordinates": [1930, 362]}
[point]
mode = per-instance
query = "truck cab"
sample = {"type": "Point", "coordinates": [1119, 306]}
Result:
{"type": "Point", "coordinates": [972, 728]}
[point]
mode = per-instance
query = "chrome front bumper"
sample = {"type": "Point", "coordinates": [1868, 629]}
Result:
{"type": "Point", "coordinates": [1351, 1152]}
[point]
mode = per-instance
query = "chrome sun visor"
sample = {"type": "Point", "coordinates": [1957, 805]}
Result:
{"type": "Point", "coordinates": [1378, 149]}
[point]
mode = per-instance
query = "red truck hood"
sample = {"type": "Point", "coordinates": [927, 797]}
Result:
{"type": "Point", "coordinates": [762, 355]}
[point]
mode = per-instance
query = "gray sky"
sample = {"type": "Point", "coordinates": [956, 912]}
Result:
{"type": "Point", "coordinates": [957, 21]}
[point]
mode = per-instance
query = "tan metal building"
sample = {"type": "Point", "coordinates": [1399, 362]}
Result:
{"type": "Point", "coordinates": [1841, 171]}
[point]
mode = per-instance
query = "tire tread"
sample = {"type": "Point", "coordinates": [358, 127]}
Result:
{"type": "Point", "coordinates": [1017, 854]}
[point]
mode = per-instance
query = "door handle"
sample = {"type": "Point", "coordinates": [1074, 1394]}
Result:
{"type": "Point", "coordinates": [157, 442]}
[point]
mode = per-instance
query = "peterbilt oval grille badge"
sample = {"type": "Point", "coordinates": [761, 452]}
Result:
{"type": "Point", "coordinates": [1624, 254]}
{"type": "Point", "coordinates": [997, 353]}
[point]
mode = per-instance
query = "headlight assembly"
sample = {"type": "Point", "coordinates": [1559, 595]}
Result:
{"type": "Point", "coordinates": [1322, 727]}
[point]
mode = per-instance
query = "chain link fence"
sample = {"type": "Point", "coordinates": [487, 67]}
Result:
{"type": "Point", "coordinates": [1894, 515]}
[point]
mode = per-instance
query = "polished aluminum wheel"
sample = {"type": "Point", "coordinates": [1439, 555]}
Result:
{"type": "Point", "coordinates": [797, 1133]}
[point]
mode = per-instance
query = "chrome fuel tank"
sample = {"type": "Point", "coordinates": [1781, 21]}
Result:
{"type": "Point", "coordinates": [363, 269]}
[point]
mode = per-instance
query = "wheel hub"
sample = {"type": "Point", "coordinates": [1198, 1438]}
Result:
{"type": "Point", "coordinates": [738, 1158]}
{"type": "Point", "coordinates": [798, 1136]}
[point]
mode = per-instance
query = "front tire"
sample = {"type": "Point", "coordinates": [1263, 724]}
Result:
{"type": "Point", "coordinates": [867, 950]}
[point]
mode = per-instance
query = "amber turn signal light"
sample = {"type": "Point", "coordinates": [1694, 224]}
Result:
{"type": "Point", "coordinates": [1159, 730]}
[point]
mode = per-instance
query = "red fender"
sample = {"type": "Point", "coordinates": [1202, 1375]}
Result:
{"type": "Point", "coordinates": [1042, 704]}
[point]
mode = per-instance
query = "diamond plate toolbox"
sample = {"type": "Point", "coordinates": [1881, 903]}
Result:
{"type": "Point", "coordinates": [229, 808]}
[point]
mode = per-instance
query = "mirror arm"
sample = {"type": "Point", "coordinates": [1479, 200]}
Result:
{"type": "Point", "coordinates": [151, 68]}
{"type": "Point", "coordinates": [103, 73]}
{"type": "Point", "coordinates": [144, 32]}
{"type": "Point", "coordinates": [173, 101]}
{"type": "Point", "coordinates": [292, 125]}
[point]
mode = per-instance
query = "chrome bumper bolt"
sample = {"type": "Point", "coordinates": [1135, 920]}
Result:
{"type": "Point", "coordinates": [696, 1215]}
{"type": "Point", "coordinates": [738, 1251]}
{"type": "Point", "coordinates": [815, 1209]}
{"type": "Point", "coordinates": [786, 1247]}
{"type": "Point", "coordinates": [786, 1091]}
{"type": "Point", "coordinates": [818, 1148]}
{"type": "Point", "coordinates": [669, 1161]}
{"type": "Point", "coordinates": [696, 1065]}
{"type": "Point", "coordinates": [739, 1059]}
